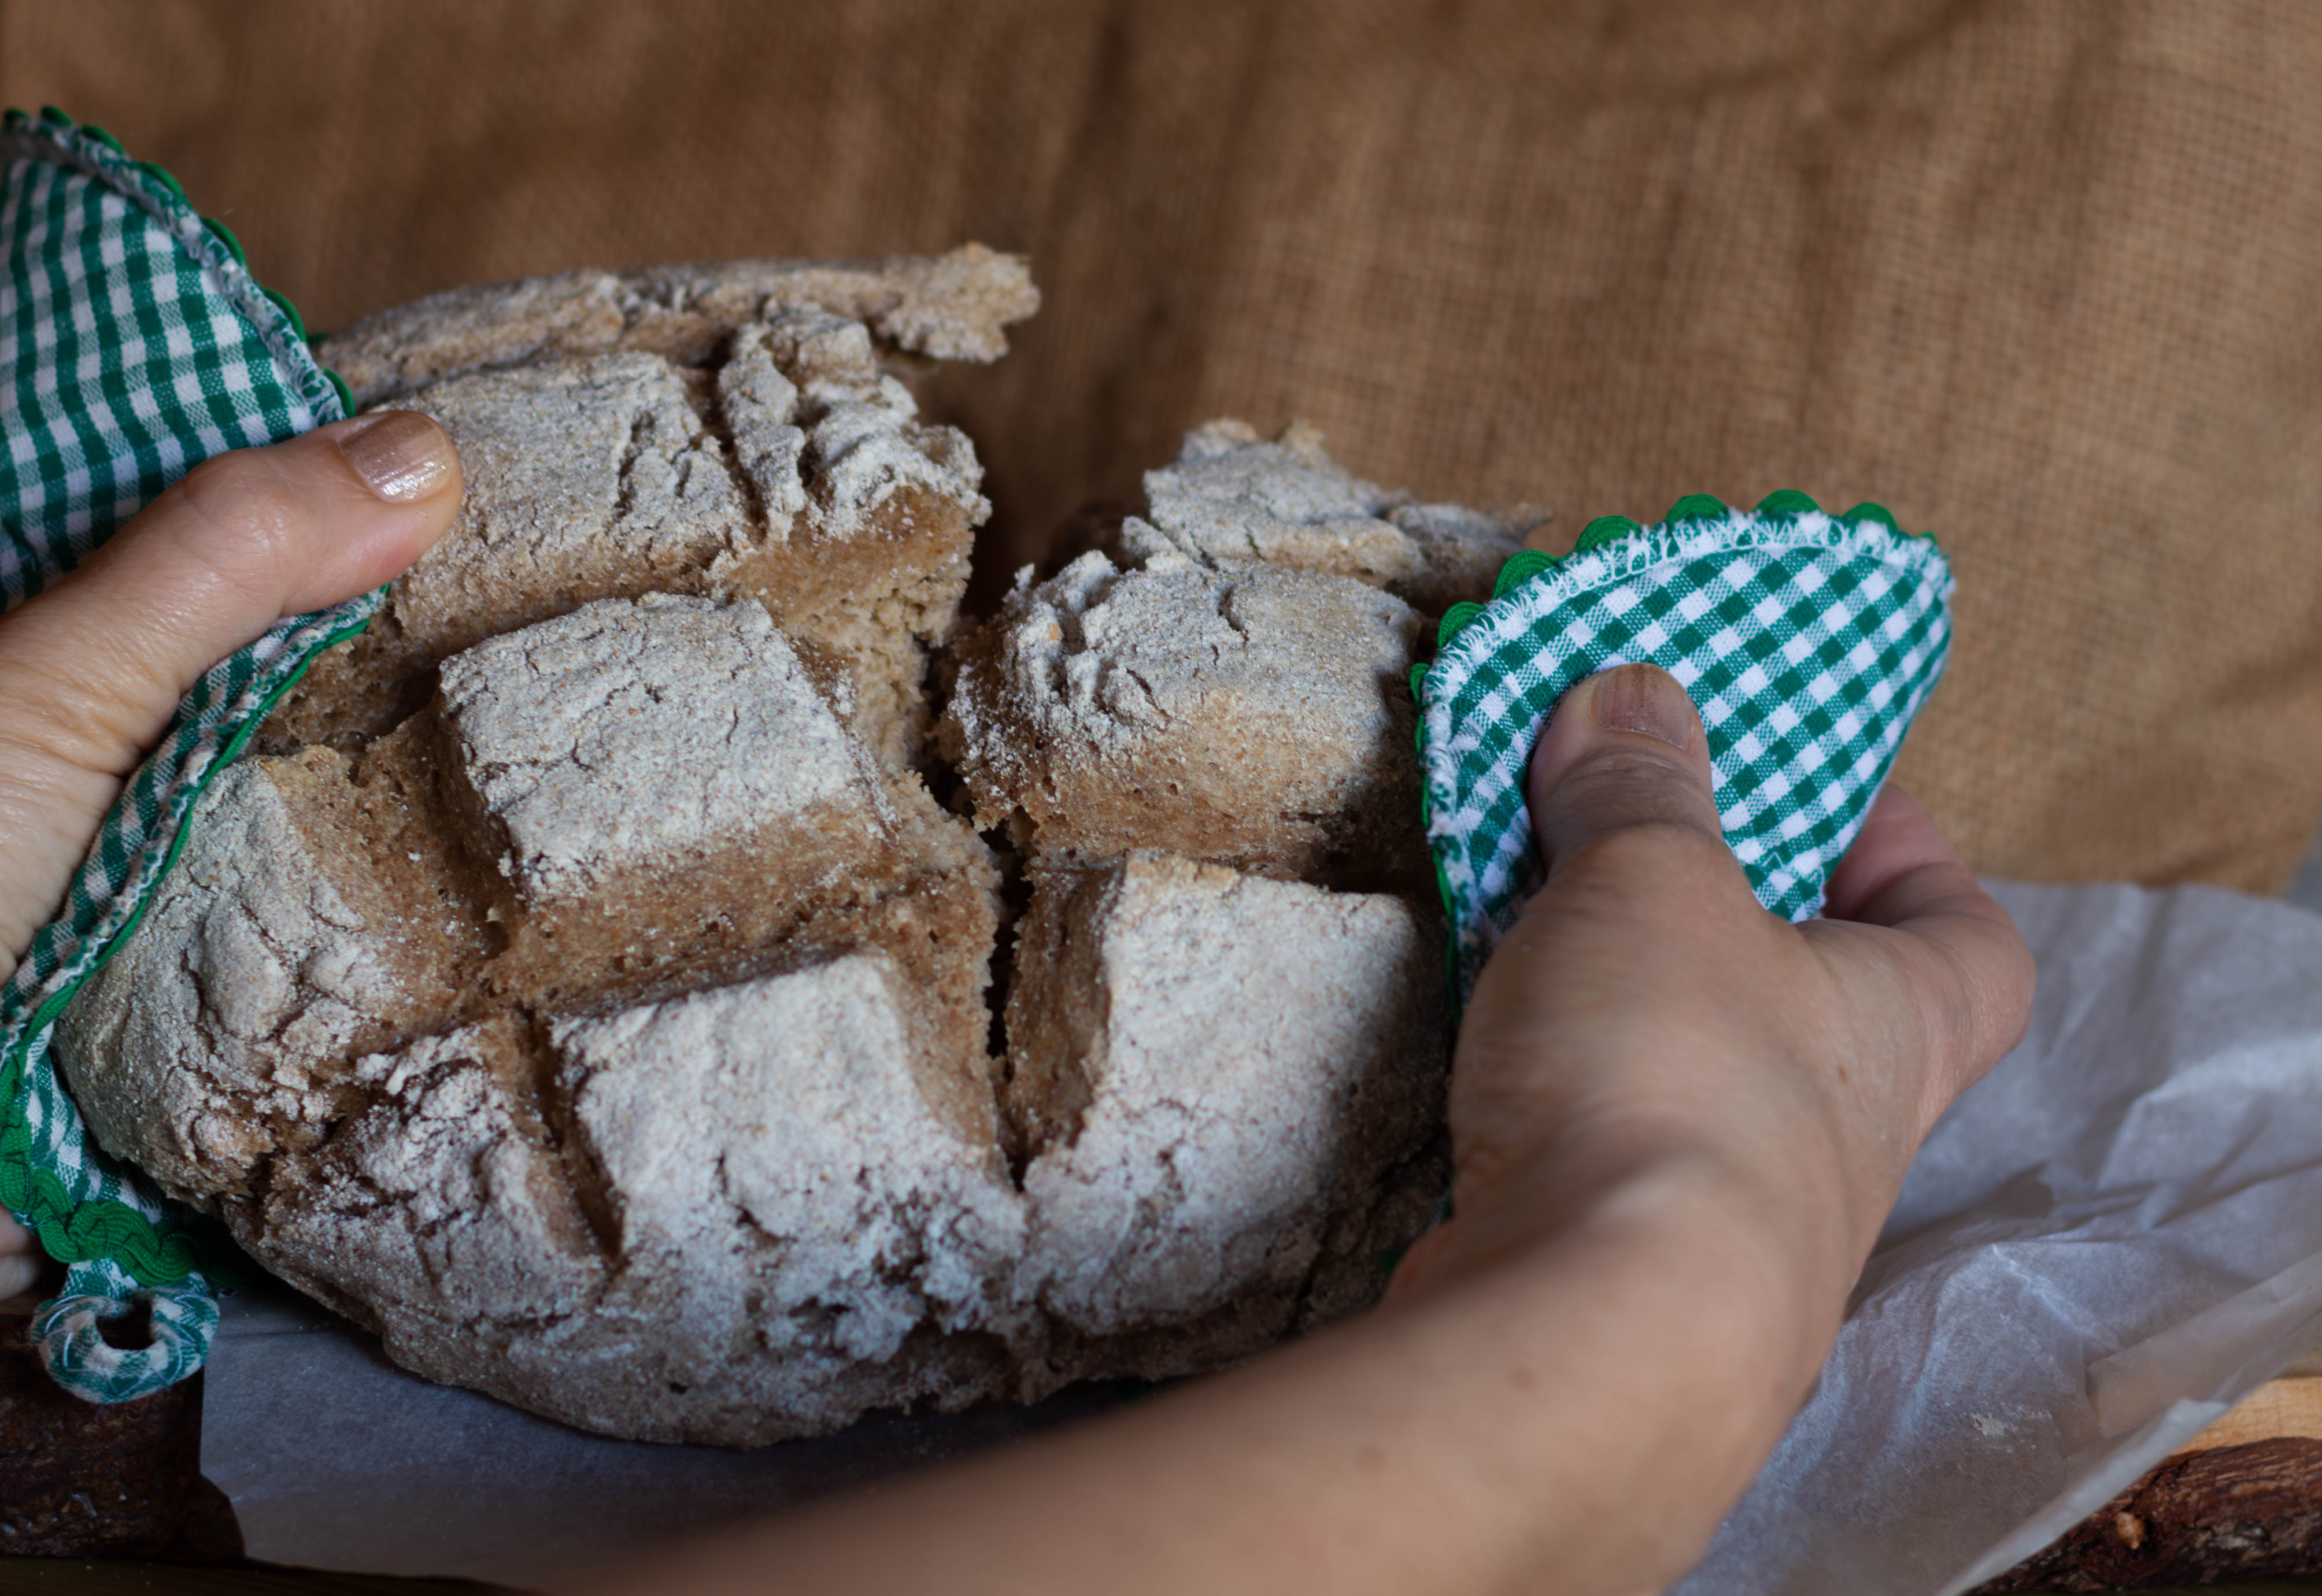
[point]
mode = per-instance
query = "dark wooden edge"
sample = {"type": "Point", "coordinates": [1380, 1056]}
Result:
{"type": "Point", "coordinates": [2234, 1513]}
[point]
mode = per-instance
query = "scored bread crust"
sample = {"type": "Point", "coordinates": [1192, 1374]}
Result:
{"type": "Point", "coordinates": [794, 471]}
{"type": "Point", "coordinates": [1267, 703]}
{"type": "Point", "coordinates": [583, 988]}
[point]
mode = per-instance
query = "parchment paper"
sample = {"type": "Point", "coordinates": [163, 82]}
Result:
{"type": "Point", "coordinates": [2100, 1249]}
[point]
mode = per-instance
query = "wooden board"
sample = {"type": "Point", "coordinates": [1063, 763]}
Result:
{"type": "Point", "coordinates": [2286, 1408]}
{"type": "Point", "coordinates": [2243, 1501]}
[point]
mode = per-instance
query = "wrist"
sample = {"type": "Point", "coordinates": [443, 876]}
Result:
{"type": "Point", "coordinates": [1814, 1150]}
{"type": "Point", "coordinates": [1778, 1216]}
{"type": "Point", "coordinates": [1676, 1312]}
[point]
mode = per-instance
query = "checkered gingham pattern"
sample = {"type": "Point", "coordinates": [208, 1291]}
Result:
{"type": "Point", "coordinates": [1807, 641]}
{"type": "Point", "coordinates": [133, 344]}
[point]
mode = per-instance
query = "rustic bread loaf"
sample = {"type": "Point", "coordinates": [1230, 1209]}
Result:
{"type": "Point", "coordinates": [585, 989]}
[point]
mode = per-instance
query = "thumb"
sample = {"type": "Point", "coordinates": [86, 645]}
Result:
{"type": "Point", "coordinates": [92, 669]}
{"type": "Point", "coordinates": [1640, 882]}
{"type": "Point", "coordinates": [1624, 751]}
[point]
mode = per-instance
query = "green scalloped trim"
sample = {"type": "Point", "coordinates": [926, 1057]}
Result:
{"type": "Point", "coordinates": [225, 235]}
{"type": "Point", "coordinates": [1456, 620]}
{"type": "Point", "coordinates": [1604, 529]}
{"type": "Point", "coordinates": [1786, 504]}
{"type": "Point", "coordinates": [297, 321]}
{"type": "Point", "coordinates": [1698, 507]}
{"type": "Point", "coordinates": [111, 165]}
{"type": "Point", "coordinates": [1521, 568]}
{"type": "Point", "coordinates": [69, 1231]}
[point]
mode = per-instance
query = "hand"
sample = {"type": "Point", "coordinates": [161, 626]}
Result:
{"type": "Point", "coordinates": [91, 670]}
{"type": "Point", "coordinates": [1652, 1065]}
{"type": "Point", "coordinates": [1645, 1003]}
{"type": "Point", "coordinates": [1677, 1124]}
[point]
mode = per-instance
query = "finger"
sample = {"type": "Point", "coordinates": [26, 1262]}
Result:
{"type": "Point", "coordinates": [1975, 972]}
{"type": "Point", "coordinates": [1901, 863]}
{"type": "Point", "coordinates": [92, 669]}
{"type": "Point", "coordinates": [1903, 873]}
{"type": "Point", "coordinates": [1622, 749]}
{"type": "Point", "coordinates": [96, 665]}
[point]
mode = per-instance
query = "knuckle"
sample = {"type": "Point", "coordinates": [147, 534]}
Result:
{"type": "Point", "coordinates": [1629, 762]}
{"type": "Point", "coordinates": [1624, 782]}
{"type": "Point", "coordinates": [1629, 809]}
{"type": "Point", "coordinates": [1646, 838]}
{"type": "Point", "coordinates": [240, 496]}
{"type": "Point", "coordinates": [245, 513]}
{"type": "Point", "coordinates": [226, 479]}
{"type": "Point", "coordinates": [1984, 984]}
{"type": "Point", "coordinates": [1499, 1134]}
{"type": "Point", "coordinates": [2013, 982]}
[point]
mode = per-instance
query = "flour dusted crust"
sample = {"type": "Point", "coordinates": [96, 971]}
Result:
{"type": "Point", "coordinates": [641, 739]}
{"type": "Point", "coordinates": [956, 306]}
{"type": "Point", "coordinates": [764, 451]}
{"type": "Point", "coordinates": [1255, 715]}
{"type": "Point", "coordinates": [748, 1219]}
{"type": "Point", "coordinates": [1222, 1083]}
{"type": "Point", "coordinates": [583, 987]}
{"type": "Point", "coordinates": [1232, 497]}
{"type": "Point", "coordinates": [1231, 680]}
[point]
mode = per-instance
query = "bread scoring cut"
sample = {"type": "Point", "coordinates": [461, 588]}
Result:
{"type": "Point", "coordinates": [1221, 1081]}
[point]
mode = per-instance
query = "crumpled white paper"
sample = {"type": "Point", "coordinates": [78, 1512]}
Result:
{"type": "Point", "coordinates": [2101, 1248]}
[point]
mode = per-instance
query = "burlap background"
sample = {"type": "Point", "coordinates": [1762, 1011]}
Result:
{"type": "Point", "coordinates": [2038, 274]}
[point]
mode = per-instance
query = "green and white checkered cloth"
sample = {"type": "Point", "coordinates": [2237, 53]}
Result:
{"type": "Point", "coordinates": [1807, 641]}
{"type": "Point", "coordinates": [133, 344]}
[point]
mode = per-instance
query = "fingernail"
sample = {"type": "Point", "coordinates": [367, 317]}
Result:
{"type": "Point", "coordinates": [1644, 699]}
{"type": "Point", "coordinates": [399, 454]}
